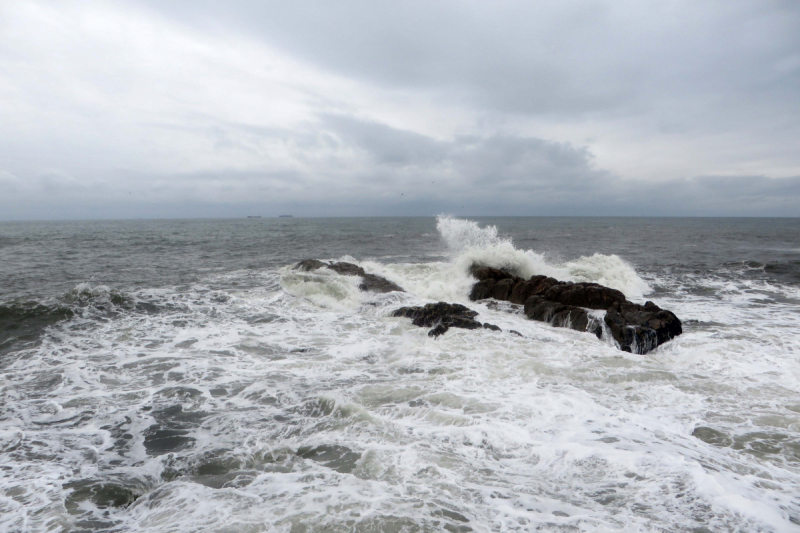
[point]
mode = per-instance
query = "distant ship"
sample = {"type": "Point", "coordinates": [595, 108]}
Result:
{"type": "Point", "coordinates": [284, 216]}
{"type": "Point", "coordinates": [253, 216]}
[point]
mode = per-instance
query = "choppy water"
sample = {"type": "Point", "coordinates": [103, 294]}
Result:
{"type": "Point", "coordinates": [177, 376]}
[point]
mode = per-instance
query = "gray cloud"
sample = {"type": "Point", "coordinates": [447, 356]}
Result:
{"type": "Point", "coordinates": [374, 169]}
{"type": "Point", "coordinates": [565, 57]}
{"type": "Point", "coordinates": [349, 108]}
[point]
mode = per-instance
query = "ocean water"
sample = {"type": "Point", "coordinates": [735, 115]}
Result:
{"type": "Point", "coordinates": [179, 376]}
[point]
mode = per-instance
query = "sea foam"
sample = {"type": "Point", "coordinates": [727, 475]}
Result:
{"type": "Point", "coordinates": [469, 244]}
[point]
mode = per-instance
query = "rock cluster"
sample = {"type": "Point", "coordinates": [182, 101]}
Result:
{"type": "Point", "coordinates": [637, 328]}
{"type": "Point", "coordinates": [369, 282]}
{"type": "Point", "coordinates": [442, 316]}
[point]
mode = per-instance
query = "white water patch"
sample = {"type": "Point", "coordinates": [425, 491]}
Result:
{"type": "Point", "coordinates": [461, 234]}
{"type": "Point", "coordinates": [552, 431]}
{"type": "Point", "coordinates": [322, 287]}
{"type": "Point", "coordinates": [608, 270]}
{"type": "Point", "coordinates": [311, 410]}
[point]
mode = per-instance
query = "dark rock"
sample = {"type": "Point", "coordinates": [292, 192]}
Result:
{"type": "Point", "coordinates": [492, 327]}
{"type": "Point", "coordinates": [441, 316]}
{"type": "Point", "coordinates": [441, 329]}
{"type": "Point", "coordinates": [561, 315]}
{"type": "Point", "coordinates": [482, 290]}
{"type": "Point", "coordinates": [637, 328]}
{"type": "Point", "coordinates": [432, 314]}
{"type": "Point", "coordinates": [525, 289]}
{"type": "Point", "coordinates": [309, 264]}
{"type": "Point", "coordinates": [640, 328]}
{"type": "Point", "coordinates": [373, 283]}
{"type": "Point", "coordinates": [589, 295]}
{"type": "Point", "coordinates": [500, 285]}
{"type": "Point", "coordinates": [369, 282]}
{"type": "Point", "coordinates": [502, 289]}
{"type": "Point", "coordinates": [346, 269]}
{"type": "Point", "coordinates": [712, 436]}
{"type": "Point", "coordinates": [482, 273]}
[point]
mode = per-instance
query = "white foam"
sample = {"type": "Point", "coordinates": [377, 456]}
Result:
{"type": "Point", "coordinates": [469, 244]}
{"type": "Point", "coordinates": [500, 430]}
{"type": "Point", "coordinates": [323, 287]}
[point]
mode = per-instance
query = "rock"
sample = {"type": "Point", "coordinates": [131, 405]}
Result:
{"type": "Point", "coordinates": [536, 285]}
{"type": "Point", "coordinates": [492, 283]}
{"type": "Point", "coordinates": [369, 282]}
{"type": "Point", "coordinates": [561, 315]}
{"type": "Point", "coordinates": [500, 285]}
{"type": "Point", "coordinates": [712, 436]}
{"type": "Point", "coordinates": [640, 328]}
{"type": "Point", "coordinates": [637, 328]}
{"type": "Point", "coordinates": [346, 269]}
{"type": "Point", "coordinates": [442, 316]}
{"type": "Point", "coordinates": [309, 264]}
{"type": "Point", "coordinates": [432, 314]}
{"type": "Point", "coordinates": [373, 283]}
{"type": "Point", "coordinates": [482, 290]}
{"type": "Point", "coordinates": [589, 295]}
{"type": "Point", "coordinates": [483, 272]}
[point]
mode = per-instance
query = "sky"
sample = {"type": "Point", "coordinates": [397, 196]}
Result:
{"type": "Point", "coordinates": [193, 108]}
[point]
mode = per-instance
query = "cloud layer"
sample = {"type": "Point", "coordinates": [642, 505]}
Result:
{"type": "Point", "coordinates": [409, 108]}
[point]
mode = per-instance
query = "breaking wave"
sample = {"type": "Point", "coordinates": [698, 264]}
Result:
{"type": "Point", "coordinates": [470, 244]}
{"type": "Point", "coordinates": [467, 244]}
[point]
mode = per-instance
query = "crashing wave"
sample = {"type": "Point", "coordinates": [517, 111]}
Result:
{"type": "Point", "coordinates": [469, 245]}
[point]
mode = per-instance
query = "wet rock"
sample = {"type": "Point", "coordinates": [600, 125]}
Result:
{"type": "Point", "coordinates": [369, 282]}
{"type": "Point", "coordinates": [561, 315]}
{"type": "Point", "coordinates": [309, 264]}
{"type": "Point", "coordinates": [590, 295]}
{"type": "Point", "coordinates": [637, 328]}
{"type": "Point", "coordinates": [712, 436]}
{"type": "Point", "coordinates": [441, 316]}
{"type": "Point", "coordinates": [524, 289]}
{"type": "Point", "coordinates": [492, 283]}
{"type": "Point", "coordinates": [482, 273]}
{"type": "Point", "coordinates": [640, 328]}
{"type": "Point", "coordinates": [501, 285]}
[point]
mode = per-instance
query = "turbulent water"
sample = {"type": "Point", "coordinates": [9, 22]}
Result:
{"type": "Point", "coordinates": [180, 376]}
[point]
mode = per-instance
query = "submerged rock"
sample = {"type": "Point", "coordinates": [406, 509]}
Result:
{"type": "Point", "coordinates": [369, 282]}
{"type": "Point", "coordinates": [637, 328]}
{"type": "Point", "coordinates": [442, 316]}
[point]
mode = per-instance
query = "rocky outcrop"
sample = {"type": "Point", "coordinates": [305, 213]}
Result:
{"type": "Point", "coordinates": [561, 315]}
{"type": "Point", "coordinates": [369, 282]}
{"type": "Point", "coordinates": [442, 316]}
{"type": "Point", "coordinates": [637, 328]}
{"type": "Point", "coordinates": [640, 328]}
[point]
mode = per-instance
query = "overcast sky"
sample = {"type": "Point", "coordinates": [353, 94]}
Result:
{"type": "Point", "coordinates": [203, 109]}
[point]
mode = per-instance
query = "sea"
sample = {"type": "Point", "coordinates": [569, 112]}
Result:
{"type": "Point", "coordinates": [181, 376]}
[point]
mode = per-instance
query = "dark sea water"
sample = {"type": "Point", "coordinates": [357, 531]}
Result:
{"type": "Point", "coordinates": [178, 375]}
